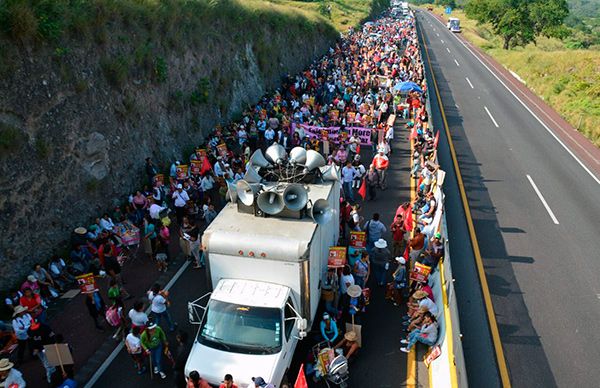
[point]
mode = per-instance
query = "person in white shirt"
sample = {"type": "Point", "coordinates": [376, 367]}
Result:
{"type": "Point", "coordinates": [181, 198]}
{"type": "Point", "coordinates": [383, 147]}
{"type": "Point", "coordinates": [346, 280]}
{"type": "Point", "coordinates": [389, 136]}
{"type": "Point", "coordinates": [427, 334]}
{"type": "Point", "coordinates": [158, 307]}
{"type": "Point", "coordinates": [269, 135]}
{"type": "Point", "coordinates": [219, 166]}
{"type": "Point", "coordinates": [106, 223]}
{"type": "Point", "coordinates": [9, 376]}
{"type": "Point", "coordinates": [21, 323]}
{"type": "Point", "coordinates": [348, 175]}
{"type": "Point", "coordinates": [155, 210]}
{"type": "Point", "coordinates": [133, 343]}
{"type": "Point", "coordinates": [137, 315]}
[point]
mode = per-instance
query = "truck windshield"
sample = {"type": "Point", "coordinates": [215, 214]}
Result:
{"type": "Point", "coordinates": [454, 25]}
{"type": "Point", "coordinates": [241, 329]}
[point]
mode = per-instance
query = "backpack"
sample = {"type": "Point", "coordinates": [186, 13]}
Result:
{"type": "Point", "coordinates": [112, 316]}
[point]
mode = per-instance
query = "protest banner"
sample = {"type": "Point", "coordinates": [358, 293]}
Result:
{"type": "Point", "coordinates": [87, 283]}
{"type": "Point", "coordinates": [222, 149]}
{"type": "Point", "coordinates": [182, 171]}
{"type": "Point", "coordinates": [358, 239]}
{"type": "Point", "coordinates": [313, 131]}
{"type": "Point", "coordinates": [196, 166]}
{"type": "Point", "coordinates": [337, 257]}
{"type": "Point", "coordinates": [420, 273]}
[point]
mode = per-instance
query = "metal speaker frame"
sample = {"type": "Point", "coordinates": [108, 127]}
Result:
{"type": "Point", "coordinates": [298, 155]}
{"type": "Point", "coordinates": [295, 197]}
{"type": "Point", "coordinates": [232, 194]}
{"type": "Point", "coordinates": [314, 160]}
{"type": "Point", "coordinates": [330, 173]}
{"type": "Point", "coordinates": [320, 212]}
{"type": "Point", "coordinates": [246, 191]}
{"type": "Point", "coordinates": [276, 153]}
{"type": "Point", "coordinates": [252, 176]}
{"type": "Point", "coordinates": [270, 201]}
{"type": "Point", "coordinates": [258, 159]}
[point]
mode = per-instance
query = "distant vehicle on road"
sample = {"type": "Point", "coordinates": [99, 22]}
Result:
{"type": "Point", "coordinates": [430, 7]}
{"type": "Point", "coordinates": [453, 24]}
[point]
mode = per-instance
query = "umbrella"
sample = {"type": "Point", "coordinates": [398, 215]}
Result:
{"type": "Point", "coordinates": [408, 87]}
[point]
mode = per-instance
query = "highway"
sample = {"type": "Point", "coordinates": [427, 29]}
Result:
{"type": "Point", "coordinates": [533, 193]}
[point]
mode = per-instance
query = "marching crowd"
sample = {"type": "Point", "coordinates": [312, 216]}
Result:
{"type": "Point", "coordinates": [364, 79]}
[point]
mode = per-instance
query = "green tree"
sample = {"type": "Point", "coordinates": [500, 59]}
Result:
{"type": "Point", "coordinates": [519, 22]}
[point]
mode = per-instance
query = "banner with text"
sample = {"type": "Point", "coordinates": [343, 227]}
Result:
{"type": "Point", "coordinates": [333, 133]}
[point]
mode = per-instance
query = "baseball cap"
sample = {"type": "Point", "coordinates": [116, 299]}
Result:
{"type": "Point", "coordinates": [259, 381]}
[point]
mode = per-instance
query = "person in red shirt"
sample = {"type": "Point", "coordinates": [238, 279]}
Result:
{"type": "Point", "coordinates": [228, 382]}
{"type": "Point", "coordinates": [33, 302]}
{"type": "Point", "coordinates": [398, 231]}
{"type": "Point", "coordinates": [381, 163]}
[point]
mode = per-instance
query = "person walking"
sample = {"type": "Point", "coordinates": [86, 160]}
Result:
{"type": "Point", "coordinates": [372, 178]}
{"type": "Point", "coordinates": [375, 230]}
{"type": "Point", "coordinates": [159, 305]}
{"type": "Point", "coordinates": [96, 307]}
{"type": "Point", "coordinates": [381, 163]}
{"type": "Point", "coordinates": [181, 198]}
{"type": "Point", "coordinates": [133, 343]}
{"type": "Point", "coordinates": [181, 354]}
{"type": "Point", "coordinates": [348, 175]}
{"type": "Point", "coordinates": [154, 342]}
{"type": "Point", "coordinates": [138, 316]}
{"type": "Point", "coordinates": [40, 334]}
{"type": "Point", "coordinates": [362, 270]}
{"type": "Point", "coordinates": [400, 281]}
{"type": "Point", "coordinates": [21, 323]}
{"type": "Point", "coordinates": [380, 256]}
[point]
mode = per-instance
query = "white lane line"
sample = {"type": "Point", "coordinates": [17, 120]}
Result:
{"type": "Point", "coordinates": [491, 117]}
{"type": "Point", "coordinates": [121, 345]}
{"type": "Point", "coordinates": [469, 81]}
{"type": "Point", "coordinates": [586, 169]}
{"type": "Point", "coordinates": [455, 61]}
{"type": "Point", "coordinates": [442, 41]}
{"type": "Point", "coordinates": [539, 194]}
{"type": "Point", "coordinates": [437, 34]}
{"type": "Point", "coordinates": [447, 49]}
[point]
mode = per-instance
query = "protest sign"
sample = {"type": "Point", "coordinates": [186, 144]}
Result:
{"type": "Point", "coordinates": [182, 171]}
{"type": "Point", "coordinates": [87, 283]}
{"type": "Point", "coordinates": [420, 273]}
{"type": "Point", "coordinates": [337, 257]}
{"type": "Point", "coordinates": [58, 355]}
{"type": "Point", "coordinates": [201, 154]}
{"type": "Point", "coordinates": [222, 149]}
{"type": "Point", "coordinates": [358, 239]}
{"type": "Point", "coordinates": [196, 166]}
{"type": "Point", "coordinates": [434, 353]}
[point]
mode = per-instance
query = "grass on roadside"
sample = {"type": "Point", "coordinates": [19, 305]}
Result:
{"type": "Point", "coordinates": [567, 79]}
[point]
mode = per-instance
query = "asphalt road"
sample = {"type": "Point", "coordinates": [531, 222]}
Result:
{"type": "Point", "coordinates": [535, 211]}
{"type": "Point", "coordinates": [380, 364]}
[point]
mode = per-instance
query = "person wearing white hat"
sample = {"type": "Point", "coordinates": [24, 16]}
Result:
{"type": "Point", "coordinates": [154, 342]}
{"type": "Point", "coordinates": [181, 198]}
{"type": "Point", "coordinates": [400, 281]}
{"type": "Point", "coordinates": [21, 323]}
{"type": "Point", "coordinates": [9, 376]}
{"type": "Point", "coordinates": [380, 256]}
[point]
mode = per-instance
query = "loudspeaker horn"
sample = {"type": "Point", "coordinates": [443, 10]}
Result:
{"type": "Point", "coordinates": [330, 173]}
{"type": "Point", "coordinates": [270, 202]}
{"type": "Point", "coordinates": [258, 159]}
{"type": "Point", "coordinates": [298, 155]}
{"type": "Point", "coordinates": [320, 212]}
{"type": "Point", "coordinates": [314, 160]}
{"type": "Point", "coordinates": [252, 175]}
{"type": "Point", "coordinates": [232, 192]}
{"type": "Point", "coordinates": [276, 153]}
{"type": "Point", "coordinates": [246, 191]}
{"type": "Point", "coordinates": [295, 197]}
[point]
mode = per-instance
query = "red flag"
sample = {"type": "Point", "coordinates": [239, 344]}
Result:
{"type": "Point", "coordinates": [206, 166]}
{"type": "Point", "coordinates": [301, 380]}
{"type": "Point", "coordinates": [419, 182]}
{"type": "Point", "coordinates": [358, 149]}
{"type": "Point", "coordinates": [436, 140]}
{"type": "Point", "coordinates": [362, 191]}
{"type": "Point", "coordinates": [405, 254]}
{"type": "Point", "coordinates": [408, 219]}
{"type": "Point", "coordinates": [414, 133]}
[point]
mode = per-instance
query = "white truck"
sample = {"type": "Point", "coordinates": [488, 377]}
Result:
{"type": "Point", "coordinates": [266, 278]}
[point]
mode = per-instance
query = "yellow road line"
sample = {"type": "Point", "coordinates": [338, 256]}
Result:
{"type": "Point", "coordinates": [448, 323]}
{"type": "Point", "coordinates": [411, 358]}
{"type": "Point", "coordinates": [500, 360]}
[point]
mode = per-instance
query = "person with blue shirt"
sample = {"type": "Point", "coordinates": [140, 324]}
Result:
{"type": "Point", "coordinates": [329, 329]}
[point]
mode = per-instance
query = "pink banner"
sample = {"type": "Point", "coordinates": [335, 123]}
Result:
{"type": "Point", "coordinates": [313, 131]}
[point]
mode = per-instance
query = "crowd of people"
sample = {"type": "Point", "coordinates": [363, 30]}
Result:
{"type": "Point", "coordinates": [361, 82]}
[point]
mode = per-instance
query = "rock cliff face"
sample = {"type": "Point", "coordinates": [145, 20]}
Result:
{"type": "Point", "coordinates": [78, 117]}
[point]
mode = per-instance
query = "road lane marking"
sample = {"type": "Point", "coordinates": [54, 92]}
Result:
{"type": "Point", "coordinates": [485, 290]}
{"type": "Point", "coordinates": [447, 49]}
{"type": "Point", "coordinates": [590, 173]}
{"type": "Point", "coordinates": [442, 41]}
{"type": "Point", "coordinates": [437, 34]}
{"type": "Point", "coordinates": [541, 197]}
{"type": "Point", "coordinates": [455, 61]}
{"type": "Point", "coordinates": [469, 81]}
{"type": "Point", "coordinates": [121, 344]}
{"type": "Point", "coordinates": [491, 117]}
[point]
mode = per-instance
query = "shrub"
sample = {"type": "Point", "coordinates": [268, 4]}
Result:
{"type": "Point", "coordinates": [11, 138]}
{"type": "Point", "coordinates": [115, 70]}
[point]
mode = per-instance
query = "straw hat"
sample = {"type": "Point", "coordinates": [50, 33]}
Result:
{"type": "Point", "coordinates": [5, 365]}
{"type": "Point", "coordinates": [381, 243]}
{"type": "Point", "coordinates": [420, 294]}
{"type": "Point", "coordinates": [354, 291]}
{"type": "Point", "coordinates": [19, 309]}
{"type": "Point", "coordinates": [351, 336]}
{"type": "Point", "coordinates": [81, 230]}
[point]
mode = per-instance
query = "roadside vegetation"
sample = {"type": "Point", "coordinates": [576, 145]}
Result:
{"type": "Point", "coordinates": [566, 76]}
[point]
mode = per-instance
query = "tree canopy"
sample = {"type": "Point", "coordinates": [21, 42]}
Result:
{"type": "Point", "coordinates": [519, 22]}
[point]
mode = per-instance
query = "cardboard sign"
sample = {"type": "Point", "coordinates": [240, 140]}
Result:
{"type": "Point", "coordinates": [350, 117]}
{"type": "Point", "coordinates": [391, 120]}
{"type": "Point", "coordinates": [182, 171]}
{"type": "Point", "coordinates": [59, 354]}
{"type": "Point", "coordinates": [222, 149]}
{"type": "Point", "coordinates": [201, 154]}
{"type": "Point", "coordinates": [434, 353]}
{"type": "Point", "coordinates": [196, 167]}
{"type": "Point", "coordinates": [324, 135]}
{"type": "Point", "coordinates": [158, 179]}
{"type": "Point", "coordinates": [358, 239]}
{"type": "Point", "coordinates": [420, 273]}
{"type": "Point", "coordinates": [334, 115]}
{"type": "Point", "coordinates": [87, 283]}
{"type": "Point", "coordinates": [337, 257]}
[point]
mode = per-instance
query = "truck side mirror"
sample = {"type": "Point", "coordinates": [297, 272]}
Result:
{"type": "Point", "coordinates": [301, 325]}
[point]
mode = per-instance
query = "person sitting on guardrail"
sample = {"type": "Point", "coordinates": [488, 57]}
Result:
{"type": "Point", "coordinates": [424, 304]}
{"type": "Point", "coordinates": [435, 251]}
{"type": "Point", "coordinates": [427, 334]}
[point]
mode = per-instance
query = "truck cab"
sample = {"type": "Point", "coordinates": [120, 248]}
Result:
{"type": "Point", "coordinates": [453, 24]}
{"type": "Point", "coordinates": [248, 328]}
